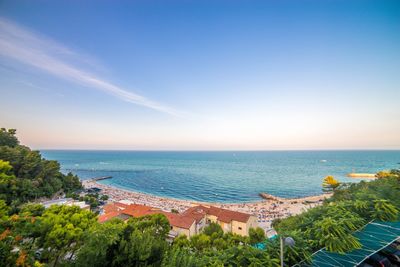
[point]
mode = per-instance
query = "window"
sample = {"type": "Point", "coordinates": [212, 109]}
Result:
{"type": "Point", "coordinates": [240, 228]}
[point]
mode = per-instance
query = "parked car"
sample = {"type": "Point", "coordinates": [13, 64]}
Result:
{"type": "Point", "coordinates": [378, 260]}
{"type": "Point", "coordinates": [395, 259]}
{"type": "Point", "coordinates": [395, 245]}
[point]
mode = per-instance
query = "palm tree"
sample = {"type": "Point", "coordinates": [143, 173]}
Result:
{"type": "Point", "coordinates": [335, 235]}
{"type": "Point", "coordinates": [384, 210]}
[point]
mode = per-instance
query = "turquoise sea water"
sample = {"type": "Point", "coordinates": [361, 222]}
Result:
{"type": "Point", "coordinates": [222, 176]}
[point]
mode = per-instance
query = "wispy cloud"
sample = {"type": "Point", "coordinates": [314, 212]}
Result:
{"type": "Point", "coordinates": [47, 91]}
{"type": "Point", "coordinates": [43, 53]}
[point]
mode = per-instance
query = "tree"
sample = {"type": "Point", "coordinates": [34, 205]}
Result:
{"type": "Point", "coordinates": [256, 235]}
{"type": "Point", "coordinates": [7, 182]}
{"type": "Point", "coordinates": [31, 176]}
{"type": "Point", "coordinates": [104, 197]}
{"type": "Point", "coordinates": [100, 240]}
{"type": "Point", "coordinates": [383, 174]}
{"type": "Point", "coordinates": [200, 242]}
{"type": "Point", "coordinates": [62, 231]}
{"type": "Point", "coordinates": [140, 249]}
{"type": "Point", "coordinates": [395, 173]}
{"type": "Point", "coordinates": [330, 184]}
{"type": "Point", "coordinates": [384, 210]}
{"type": "Point", "coordinates": [334, 235]}
{"type": "Point", "coordinates": [213, 229]}
{"type": "Point", "coordinates": [179, 257]}
{"type": "Point", "coordinates": [142, 243]}
{"type": "Point", "coordinates": [8, 138]}
{"type": "Point", "coordinates": [181, 241]}
{"type": "Point", "coordinates": [157, 224]}
{"type": "Point", "coordinates": [4, 209]}
{"type": "Point", "coordinates": [7, 257]}
{"type": "Point", "coordinates": [31, 209]}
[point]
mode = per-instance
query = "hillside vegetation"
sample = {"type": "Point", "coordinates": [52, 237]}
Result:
{"type": "Point", "coordinates": [26, 175]}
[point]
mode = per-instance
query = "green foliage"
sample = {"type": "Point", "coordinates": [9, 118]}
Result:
{"type": "Point", "coordinates": [8, 183]}
{"type": "Point", "coordinates": [200, 242]}
{"type": "Point", "coordinates": [7, 258]}
{"type": "Point", "coordinates": [179, 257]}
{"type": "Point", "coordinates": [299, 252]}
{"type": "Point", "coordinates": [383, 174]}
{"type": "Point", "coordinates": [104, 197]}
{"type": "Point", "coordinates": [213, 229]}
{"type": "Point", "coordinates": [181, 241]}
{"type": "Point", "coordinates": [32, 209]}
{"type": "Point", "coordinates": [100, 240]}
{"type": "Point", "coordinates": [62, 230]}
{"type": "Point", "coordinates": [72, 195]}
{"type": "Point", "coordinates": [140, 248]}
{"type": "Point", "coordinates": [335, 235]}
{"type": "Point", "coordinates": [333, 224]}
{"type": "Point", "coordinates": [156, 224]}
{"type": "Point", "coordinates": [384, 210]}
{"type": "Point", "coordinates": [256, 235]}
{"type": "Point", "coordinates": [30, 176]}
{"type": "Point", "coordinates": [395, 173]}
{"type": "Point", "coordinates": [8, 138]}
{"type": "Point", "coordinates": [4, 209]}
{"type": "Point", "coordinates": [174, 211]}
{"type": "Point", "coordinates": [91, 200]}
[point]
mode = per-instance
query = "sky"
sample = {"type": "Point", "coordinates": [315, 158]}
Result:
{"type": "Point", "coordinates": [201, 75]}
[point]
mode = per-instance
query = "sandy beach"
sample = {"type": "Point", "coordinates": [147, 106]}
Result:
{"type": "Point", "coordinates": [265, 210]}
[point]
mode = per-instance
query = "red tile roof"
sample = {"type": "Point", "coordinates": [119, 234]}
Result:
{"type": "Point", "coordinates": [116, 206]}
{"type": "Point", "coordinates": [108, 216]}
{"type": "Point", "coordinates": [136, 210]}
{"type": "Point", "coordinates": [197, 213]}
{"type": "Point", "coordinates": [223, 215]}
{"type": "Point", "coordinates": [179, 220]}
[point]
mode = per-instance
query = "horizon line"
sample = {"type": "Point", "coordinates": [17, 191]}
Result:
{"type": "Point", "coordinates": [218, 150]}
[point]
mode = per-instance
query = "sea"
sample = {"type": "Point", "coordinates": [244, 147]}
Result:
{"type": "Point", "coordinates": [222, 176]}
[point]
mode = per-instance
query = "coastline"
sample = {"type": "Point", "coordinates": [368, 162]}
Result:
{"type": "Point", "coordinates": [265, 210]}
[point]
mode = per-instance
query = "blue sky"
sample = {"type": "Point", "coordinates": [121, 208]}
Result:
{"type": "Point", "coordinates": [201, 74]}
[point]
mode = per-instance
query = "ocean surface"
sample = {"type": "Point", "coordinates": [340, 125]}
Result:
{"type": "Point", "coordinates": [222, 176]}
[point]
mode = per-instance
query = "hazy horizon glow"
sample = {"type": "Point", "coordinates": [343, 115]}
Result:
{"type": "Point", "coordinates": [209, 75]}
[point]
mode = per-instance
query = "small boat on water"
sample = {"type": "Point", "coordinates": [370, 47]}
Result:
{"type": "Point", "coordinates": [323, 160]}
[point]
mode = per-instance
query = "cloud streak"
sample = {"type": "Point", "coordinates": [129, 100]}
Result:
{"type": "Point", "coordinates": [41, 52]}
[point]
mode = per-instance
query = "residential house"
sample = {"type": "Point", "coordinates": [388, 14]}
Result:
{"type": "Point", "coordinates": [230, 221]}
{"type": "Point", "coordinates": [179, 224]}
{"type": "Point", "coordinates": [190, 222]}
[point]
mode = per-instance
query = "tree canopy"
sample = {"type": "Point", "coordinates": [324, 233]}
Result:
{"type": "Point", "coordinates": [8, 138]}
{"type": "Point", "coordinates": [333, 224]}
{"type": "Point", "coordinates": [25, 175]}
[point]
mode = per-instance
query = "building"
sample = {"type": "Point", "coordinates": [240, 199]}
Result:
{"type": "Point", "coordinates": [179, 224]}
{"type": "Point", "coordinates": [230, 221]}
{"type": "Point", "coordinates": [190, 222]}
{"type": "Point", "coordinates": [66, 201]}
